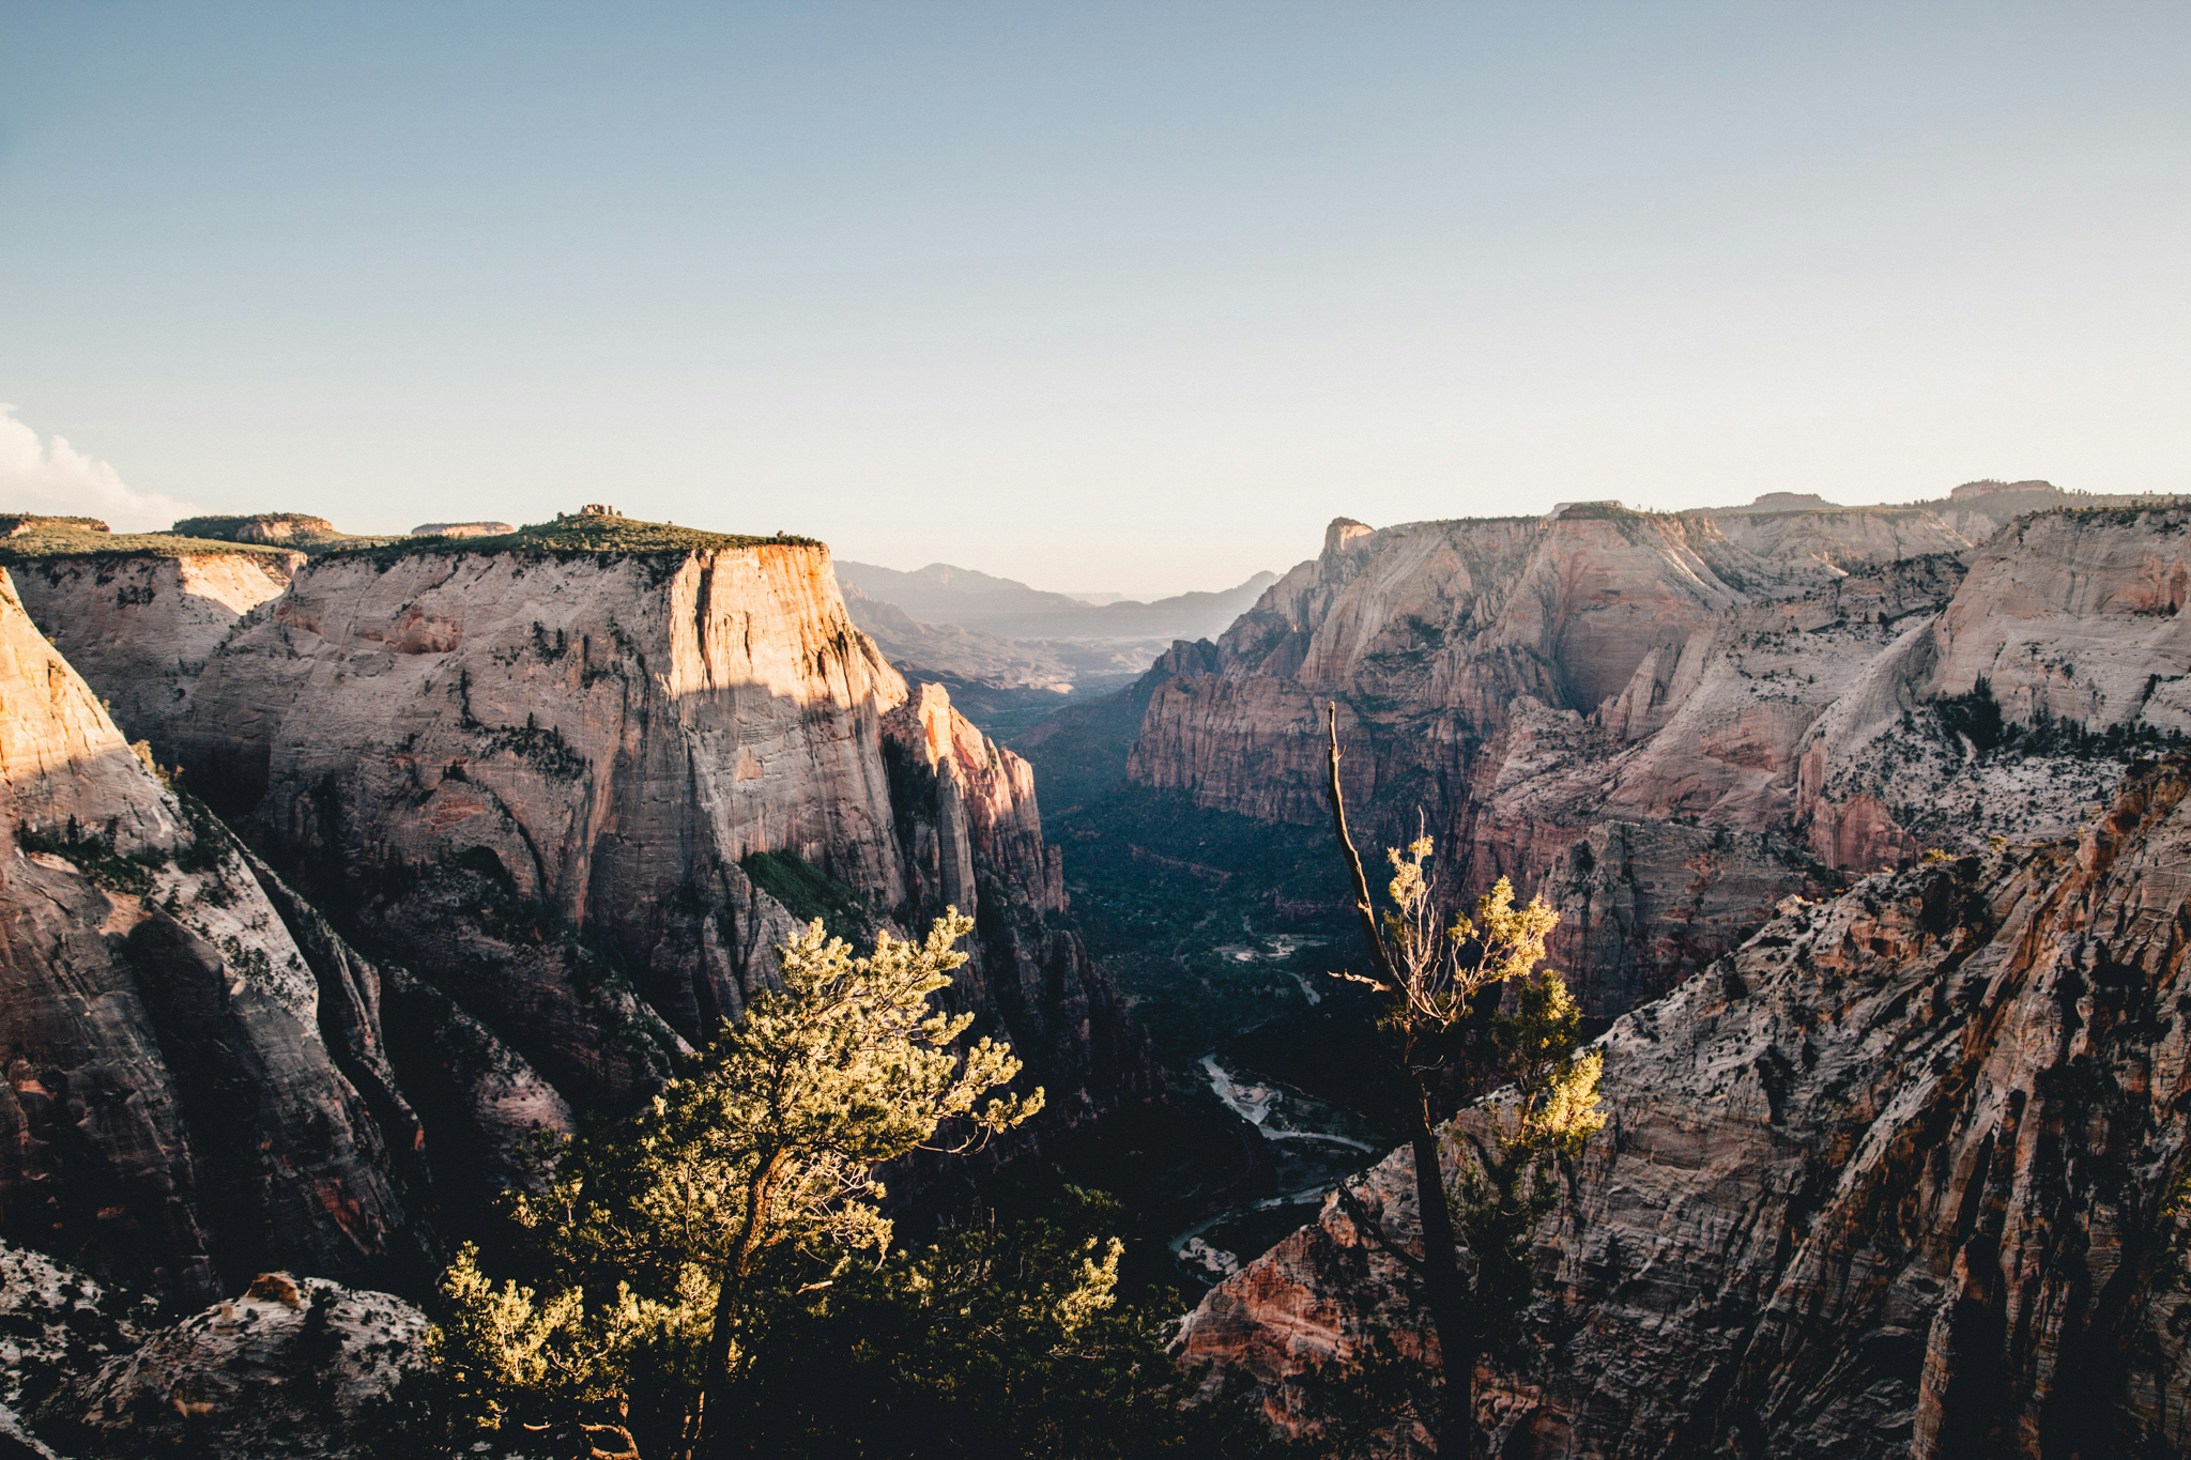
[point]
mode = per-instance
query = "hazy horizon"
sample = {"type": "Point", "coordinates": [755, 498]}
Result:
{"type": "Point", "coordinates": [1117, 299]}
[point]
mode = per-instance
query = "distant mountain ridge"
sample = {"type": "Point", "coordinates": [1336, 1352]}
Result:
{"type": "Point", "coordinates": [941, 587]}
{"type": "Point", "coordinates": [944, 594]}
{"type": "Point", "coordinates": [1010, 651]}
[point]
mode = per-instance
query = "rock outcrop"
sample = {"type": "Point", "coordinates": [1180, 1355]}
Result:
{"type": "Point", "coordinates": [1668, 723]}
{"type": "Point", "coordinates": [174, 1113]}
{"type": "Point", "coordinates": [14, 525]}
{"type": "Point", "coordinates": [297, 1368]}
{"type": "Point", "coordinates": [275, 529]}
{"type": "Point", "coordinates": [1890, 1179]}
{"type": "Point", "coordinates": [56, 1324]}
{"type": "Point", "coordinates": [293, 1369]}
{"type": "Point", "coordinates": [569, 795]}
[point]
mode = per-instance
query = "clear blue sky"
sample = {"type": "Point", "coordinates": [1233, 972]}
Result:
{"type": "Point", "coordinates": [1128, 297]}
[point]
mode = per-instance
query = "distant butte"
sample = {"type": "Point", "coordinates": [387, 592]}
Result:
{"type": "Point", "coordinates": [462, 529]}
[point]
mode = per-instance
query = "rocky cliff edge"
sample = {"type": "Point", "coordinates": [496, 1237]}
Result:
{"type": "Point", "coordinates": [1890, 1179]}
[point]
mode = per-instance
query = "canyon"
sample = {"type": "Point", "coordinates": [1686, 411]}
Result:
{"type": "Point", "coordinates": [336, 868]}
{"type": "Point", "coordinates": [1867, 832]}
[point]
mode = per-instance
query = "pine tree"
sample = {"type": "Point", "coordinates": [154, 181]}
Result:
{"type": "Point", "coordinates": [658, 1240]}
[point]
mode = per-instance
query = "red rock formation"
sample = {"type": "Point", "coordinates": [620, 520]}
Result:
{"type": "Point", "coordinates": [1888, 1180]}
{"type": "Point", "coordinates": [1669, 722]}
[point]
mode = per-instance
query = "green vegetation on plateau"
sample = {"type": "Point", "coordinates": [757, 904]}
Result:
{"type": "Point", "coordinates": [583, 535]}
{"type": "Point", "coordinates": [26, 537]}
{"type": "Point", "coordinates": [299, 530]}
{"type": "Point", "coordinates": [30, 539]}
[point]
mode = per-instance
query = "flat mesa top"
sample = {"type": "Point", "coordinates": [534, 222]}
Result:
{"type": "Point", "coordinates": [36, 539]}
{"type": "Point", "coordinates": [572, 535]}
{"type": "Point", "coordinates": [33, 539]}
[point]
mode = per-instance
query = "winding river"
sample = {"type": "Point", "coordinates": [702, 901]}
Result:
{"type": "Point", "coordinates": [1316, 1145]}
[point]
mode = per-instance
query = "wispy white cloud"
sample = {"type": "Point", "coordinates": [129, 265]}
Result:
{"type": "Point", "coordinates": [49, 475]}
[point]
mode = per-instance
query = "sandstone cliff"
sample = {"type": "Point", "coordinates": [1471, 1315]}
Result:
{"type": "Point", "coordinates": [1888, 1180]}
{"type": "Point", "coordinates": [571, 793]}
{"type": "Point", "coordinates": [1451, 628]}
{"type": "Point", "coordinates": [175, 1112]}
{"type": "Point", "coordinates": [1669, 722]}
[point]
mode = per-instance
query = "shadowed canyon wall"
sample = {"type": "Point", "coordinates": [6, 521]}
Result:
{"type": "Point", "coordinates": [191, 1092]}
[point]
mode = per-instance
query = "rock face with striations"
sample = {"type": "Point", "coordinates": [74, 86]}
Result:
{"type": "Point", "coordinates": [140, 626]}
{"type": "Point", "coordinates": [189, 1092]}
{"type": "Point", "coordinates": [1888, 1180]}
{"type": "Point", "coordinates": [576, 790]}
{"type": "Point", "coordinates": [971, 837]}
{"type": "Point", "coordinates": [1667, 723]}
